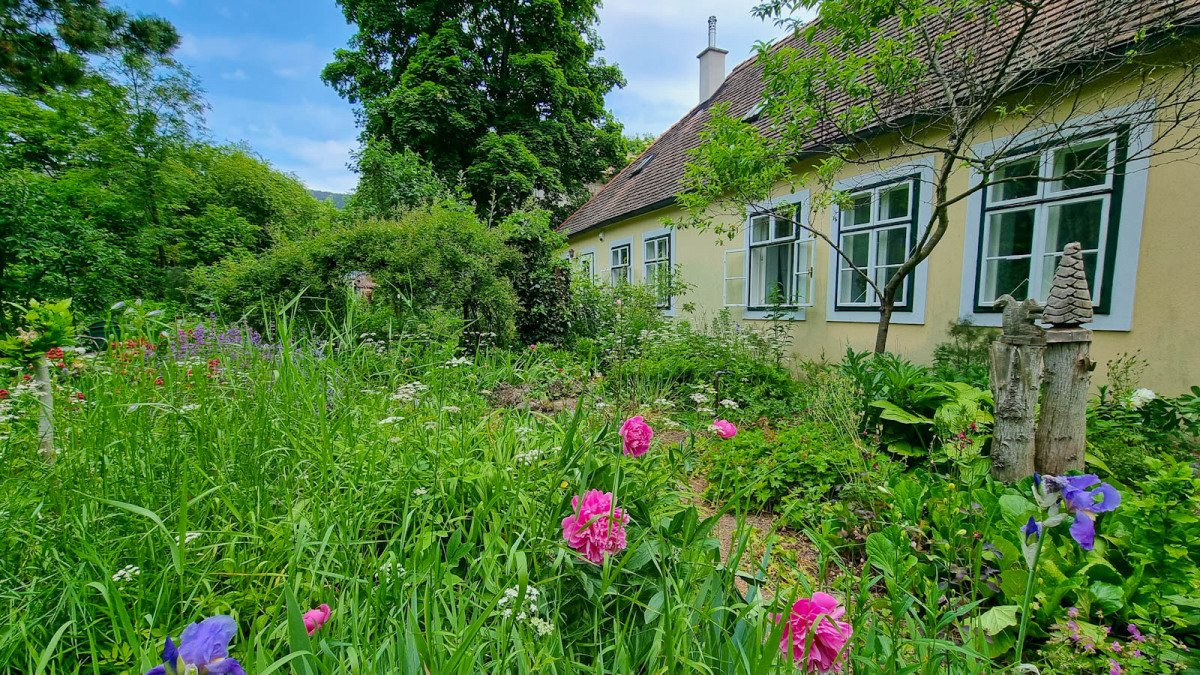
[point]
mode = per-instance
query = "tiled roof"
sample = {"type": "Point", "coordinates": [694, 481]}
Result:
{"type": "Point", "coordinates": [633, 191]}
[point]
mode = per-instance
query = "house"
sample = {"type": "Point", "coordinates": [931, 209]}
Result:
{"type": "Point", "coordinates": [1137, 219]}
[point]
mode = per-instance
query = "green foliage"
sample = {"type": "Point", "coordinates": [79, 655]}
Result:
{"type": "Point", "coordinates": [440, 259]}
{"type": "Point", "coordinates": [794, 471]}
{"type": "Point", "coordinates": [393, 182]}
{"type": "Point", "coordinates": [47, 43]}
{"type": "Point", "coordinates": [965, 356]}
{"type": "Point", "coordinates": [541, 278]}
{"type": "Point", "coordinates": [509, 95]}
{"type": "Point", "coordinates": [44, 325]}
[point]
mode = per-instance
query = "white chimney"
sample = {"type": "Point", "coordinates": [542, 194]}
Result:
{"type": "Point", "coordinates": [712, 63]}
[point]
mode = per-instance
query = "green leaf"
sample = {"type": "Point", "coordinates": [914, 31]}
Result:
{"type": "Point", "coordinates": [654, 607]}
{"type": "Point", "coordinates": [997, 619]}
{"type": "Point", "coordinates": [1108, 597]}
{"type": "Point", "coordinates": [882, 554]}
{"type": "Point", "coordinates": [894, 413]}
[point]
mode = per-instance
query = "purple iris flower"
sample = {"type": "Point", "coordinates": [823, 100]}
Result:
{"type": "Point", "coordinates": [1032, 529]}
{"type": "Point", "coordinates": [1084, 496]}
{"type": "Point", "coordinates": [203, 649]}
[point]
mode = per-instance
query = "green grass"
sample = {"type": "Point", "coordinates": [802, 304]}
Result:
{"type": "Point", "coordinates": [269, 486]}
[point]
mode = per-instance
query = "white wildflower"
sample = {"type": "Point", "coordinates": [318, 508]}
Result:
{"type": "Point", "coordinates": [420, 491]}
{"type": "Point", "coordinates": [1140, 398]}
{"type": "Point", "coordinates": [189, 407]}
{"type": "Point", "coordinates": [728, 403]}
{"type": "Point", "coordinates": [390, 420]}
{"type": "Point", "coordinates": [458, 361]}
{"type": "Point", "coordinates": [541, 626]}
{"type": "Point", "coordinates": [188, 537]}
{"type": "Point", "coordinates": [528, 457]}
{"type": "Point", "coordinates": [699, 398]}
{"type": "Point", "coordinates": [126, 574]}
{"type": "Point", "coordinates": [452, 409]}
{"type": "Point", "coordinates": [663, 403]}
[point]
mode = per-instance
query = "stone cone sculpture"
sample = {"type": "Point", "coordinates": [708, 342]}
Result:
{"type": "Point", "coordinates": [1070, 301]}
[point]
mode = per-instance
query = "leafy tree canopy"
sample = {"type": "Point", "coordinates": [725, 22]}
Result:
{"type": "Point", "coordinates": [505, 96]}
{"type": "Point", "coordinates": [44, 43]}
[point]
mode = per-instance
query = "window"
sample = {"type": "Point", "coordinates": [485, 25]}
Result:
{"type": "Point", "coordinates": [876, 233]}
{"type": "Point", "coordinates": [780, 257]}
{"type": "Point", "coordinates": [619, 269]}
{"type": "Point", "coordinates": [1049, 198]}
{"type": "Point", "coordinates": [587, 265]}
{"type": "Point", "coordinates": [656, 267]}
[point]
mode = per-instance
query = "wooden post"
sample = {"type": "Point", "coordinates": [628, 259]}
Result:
{"type": "Point", "coordinates": [1062, 427]}
{"type": "Point", "coordinates": [1016, 379]}
{"type": "Point", "coordinates": [45, 397]}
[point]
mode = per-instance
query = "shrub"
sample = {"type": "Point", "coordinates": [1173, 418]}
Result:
{"type": "Point", "coordinates": [965, 356]}
{"type": "Point", "coordinates": [438, 259]}
{"type": "Point", "coordinates": [541, 278]}
{"type": "Point", "coordinates": [792, 472]}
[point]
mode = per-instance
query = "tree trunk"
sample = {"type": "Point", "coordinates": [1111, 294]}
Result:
{"type": "Point", "coordinates": [1062, 426]}
{"type": "Point", "coordinates": [887, 306]}
{"type": "Point", "coordinates": [1016, 380]}
{"type": "Point", "coordinates": [45, 396]}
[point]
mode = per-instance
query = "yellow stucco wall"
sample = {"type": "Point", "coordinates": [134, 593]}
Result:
{"type": "Point", "coordinates": [1165, 321]}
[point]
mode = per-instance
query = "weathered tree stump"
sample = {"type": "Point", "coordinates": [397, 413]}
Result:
{"type": "Point", "coordinates": [45, 398]}
{"type": "Point", "coordinates": [1062, 428]}
{"type": "Point", "coordinates": [1016, 378]}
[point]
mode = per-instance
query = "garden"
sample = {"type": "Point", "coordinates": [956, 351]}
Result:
{"type": "Point", "coordinates": [298, 494]}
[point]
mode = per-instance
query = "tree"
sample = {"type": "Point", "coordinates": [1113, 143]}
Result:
{"type": "Point", "coordinates": [881, 82]}
{"type": "Point", "coordinates": [512, 85]}
{"type": "Point", "coordinates": [44, 44]}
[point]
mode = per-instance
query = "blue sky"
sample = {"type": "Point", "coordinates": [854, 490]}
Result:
{"type": "Point", "coordinates": [259, 62]}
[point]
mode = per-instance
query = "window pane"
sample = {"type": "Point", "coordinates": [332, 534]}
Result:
{"type": "Point", "coordinates": [1021, 180]}
{"type": "Point", "coordinates": [852, 288]}
{"type": "Point", "coordinates": [1010, 233]}
{"type": "Point", "coordinates": [894, 203]}
{"type": "Point", "coordinates": [778, 274]}
{"type": "Point", "coordinates": [1002, 277]}
{"type": "Point", "coordinates": [860, 212]}
{"type": "Point", "coordinates": [858, 248]}
{"type": "Point", "coordinates": [760, 228]}
{"type": "Point", "coordinates": [1050, 264]}
{"type": "Point", "coordinates": [783, 226]}
{"type": "Point", "coordinates": [892, 248]}
{"type": "Point", "coordinates": [1081, 166]}
{"type": "Point", "coordinates": [1077, 221]}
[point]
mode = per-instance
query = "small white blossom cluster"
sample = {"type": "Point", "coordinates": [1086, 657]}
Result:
{"type": "Point", "coordinates": [420, 491]}
{"type": "Point", "coordinates": [391, 420]}
{"type": "Point", "coordinates": [1140, 398]}
{"type": "Point", "coordinates": [663, 403]}
{"type": "Point", "coordinates": [523, 431]}
{"type": "Point", "coordinates": [728, 403]}
{"type": "Point", "coordinates": [528, 457]}
{"type": "Point", "coordinates": [451, 409]}
{"type": "Point", "coordinates": [390, 569]}
{"type": "Point", "coordinates": [409, 393]}
{"type": "Point", "coordinates": [188, 537]}
{"type": "Point", "coordinates": [703, 397]}
{"type": "Point", "coordinates": [126, 574]}
{"type": "Point", "coordinates": [529, 612]}
{"type": "Point", "coordinates": [456, 362]}
{"type": "Point", "coordinates": [372, 340]}
{"type": "Point", "coordinates": [601, 405]}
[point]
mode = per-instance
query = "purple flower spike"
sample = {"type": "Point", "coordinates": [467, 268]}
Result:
{"type": "Point", "coordinates": [1032, 529]}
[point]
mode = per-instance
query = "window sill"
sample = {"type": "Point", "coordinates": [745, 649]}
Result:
{"type": "Point", "coordinates": [767, 315]}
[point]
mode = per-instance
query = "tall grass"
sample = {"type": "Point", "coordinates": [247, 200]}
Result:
{"type": "Point", "coordinates": [265, 484]}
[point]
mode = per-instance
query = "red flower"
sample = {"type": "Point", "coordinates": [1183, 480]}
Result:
{"type": "Point", "coordinates": [158, 380]}
{"type": "Point", "coordinates": [79, 395]}
{"type": "Point", "coordinates": [27, 377]}
{"type": "Point", "coordinates": [3, 394]}
{"type": "Point", "coordinates": [55, 353]}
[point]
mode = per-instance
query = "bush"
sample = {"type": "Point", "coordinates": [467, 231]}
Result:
{"type": "Point", "coordinates": [792, 472]}
{"type": "Point", "coordinates": [965, 356]}
{"type": "Point", "coordinates": [439, 259]}
{"type": "Point", "coordinates": [540, 277]}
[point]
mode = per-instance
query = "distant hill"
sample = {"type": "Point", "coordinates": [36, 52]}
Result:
{"type": "Point", "coordinates": [339, 198]}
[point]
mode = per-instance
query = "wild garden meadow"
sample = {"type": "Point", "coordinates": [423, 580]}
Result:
{"type": "Point", "coordinates": [404, 498]}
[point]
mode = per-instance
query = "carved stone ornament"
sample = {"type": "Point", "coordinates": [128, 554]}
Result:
{"type": "Point", "coordinates": [1070, 301]}
{"type": "Point", "coordinates": [1020, 321]}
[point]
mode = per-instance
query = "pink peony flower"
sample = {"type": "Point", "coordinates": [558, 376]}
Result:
{"type": "Point", "coordinates": [315, 618]}
{"type": "Point", "coordinates": [724, 429]}
{"type": "Point", "coordinates": [597, 528]}
{"type": "Point", "coordinates": [637, 435]}
{"type": "Point", "coordinates": [818, 647]}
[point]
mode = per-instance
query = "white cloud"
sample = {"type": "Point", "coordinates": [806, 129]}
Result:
{"type": "Point", "coordinates": [656, 43]}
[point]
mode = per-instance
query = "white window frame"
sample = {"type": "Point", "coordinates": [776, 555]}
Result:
{"type": "Point", "coordinates": [668, 308]}
{"type": "Point", "coordinates": [588, 255]}
{"type": "Point", "coordinates": [739, 274]}
{"type": "Point", "coordinates": [1139, 137]}
{"type": "Point", "coordinates": [874, 228]}
{"type": "Point", "coordinates": [802, 238]}
{"type": "Point", "coordinates": [613, 247]}
{"type": "Point", "coordinates": [921, 194]}
{"type": "Point", "coordinates": [1041, 203]}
